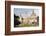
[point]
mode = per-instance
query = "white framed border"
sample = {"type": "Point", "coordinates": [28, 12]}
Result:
{"type": "Point", "coordinates": [26, 28]}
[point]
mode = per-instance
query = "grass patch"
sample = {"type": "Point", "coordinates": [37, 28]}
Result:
{"type": "Point", "coordinates": [26, 25]}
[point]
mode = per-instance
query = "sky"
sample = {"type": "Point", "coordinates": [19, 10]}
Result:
{"type": "Point", "coordinates": [25, 12]}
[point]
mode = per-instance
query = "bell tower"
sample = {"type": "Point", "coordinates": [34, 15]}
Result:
{"type": "Point", "coordinates": [33, 14]}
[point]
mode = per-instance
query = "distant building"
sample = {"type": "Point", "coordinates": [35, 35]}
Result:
{"type": "Point", "coordinates": [30, 20]}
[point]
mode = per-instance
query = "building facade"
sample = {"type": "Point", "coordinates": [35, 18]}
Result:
{"type": "Point", "coordinates": [30, 20]}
